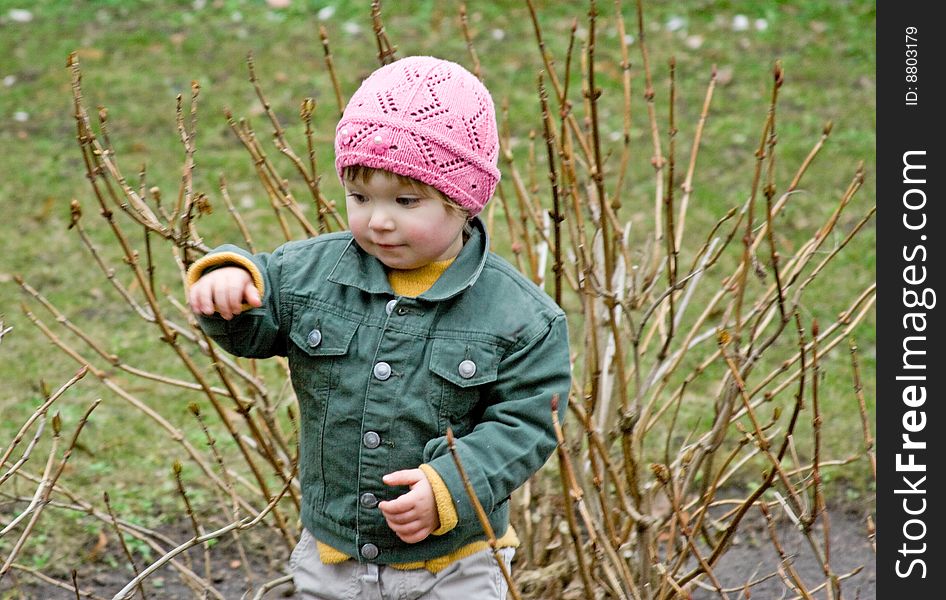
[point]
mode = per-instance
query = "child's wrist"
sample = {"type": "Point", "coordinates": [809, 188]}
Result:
{"type": "Point", "coordinates": [443, 501]}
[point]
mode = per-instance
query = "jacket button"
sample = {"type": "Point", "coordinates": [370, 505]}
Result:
{"type": "Point", "coordinates": [370, 551]}
{"type": "Point", "coordinates": [389, 307]}
{"type": "Point", "coordinates": [467, 369]}
{"type": "Point", "coordinates": [382, 371]}
{"type": "Point", "coordinates": [369, 500]}
{"type": "Point", "coordinates": [401, 310]}
{"type": "Point", "coordinates": [314, 338]}
{"type": "Point", "coordinates": [371, 440]}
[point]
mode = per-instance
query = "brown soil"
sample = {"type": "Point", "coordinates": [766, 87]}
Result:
{"type": "Point", "coordinates": [751, 557]}
{"type": "Point", "coordinates": [754, 556]}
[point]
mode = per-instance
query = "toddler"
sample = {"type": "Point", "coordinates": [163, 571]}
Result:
{"type": "Point", "coordinates": [394, 331]}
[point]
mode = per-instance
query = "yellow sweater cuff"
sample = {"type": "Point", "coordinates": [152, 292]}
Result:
{"type": "Point", "coordinates": [331, 556]}
{"type": "Point", "coordinates": [226, 259]}
{"type": "Point", "coordinates": [445, 508]}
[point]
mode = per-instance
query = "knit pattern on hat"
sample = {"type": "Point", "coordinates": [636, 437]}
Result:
{"type": "Point", "coordinates": [428, 119]}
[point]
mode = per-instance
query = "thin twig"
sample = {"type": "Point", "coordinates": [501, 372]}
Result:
{"type": "Point", "coordinates": [39, 412]}
{"type": "Point", "coordinates": [481, 516]}
{"type": "Point", "coordinates": [243, 524]}
{"type": "Point", "coordinates": [49, 483]}
{"type": "Point", "coordinates": [862, 408]}
{"type": "Point", "coordinates": [270, 585]}
{"type": "Point", "coordinates": [121, 540]}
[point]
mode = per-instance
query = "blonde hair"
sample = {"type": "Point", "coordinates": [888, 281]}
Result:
{"type": "Point", "coordinates": [361, 174]}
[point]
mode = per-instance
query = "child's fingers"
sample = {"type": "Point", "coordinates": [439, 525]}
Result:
{"type": "Point", "coordinates": [201, 301]}
{"type": "Point", "coordinates": [192, 299]}
{"type": "Point", "coordinates": [252, 295]}
{"type": "Point", "coordinates": [413, 535]}
{"type": "Point", "coordinates": [420, 536]}
{"type": "Point", "coordinates": [234, 299]}
{"type": "Point", "coordinates": [222, 301]}
{"type": "Point", "coordinates": [403, 477]}
{"type": "Point", "coordinates": [400, 518]}
{"type": "Point", "coordinates": [399, 522]}
{"type": "Point", "coordinates": [400, 505]}
{"type": "Point", "coordinates": [404, 502]}
{"type": "Point", "coordinates": [410, 527]}
{"type": "Point", "coordinates": [223, 291]}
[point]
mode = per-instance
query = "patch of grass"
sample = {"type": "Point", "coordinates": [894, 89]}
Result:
{"type": "Point", "coordinates": [138, 55]}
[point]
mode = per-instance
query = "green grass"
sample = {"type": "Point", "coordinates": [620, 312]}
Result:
{"type": "Point", "coordinates": [138, 55]}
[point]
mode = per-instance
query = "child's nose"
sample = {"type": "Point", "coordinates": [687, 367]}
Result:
{"type": "Point", "coordinates": [380, 220]}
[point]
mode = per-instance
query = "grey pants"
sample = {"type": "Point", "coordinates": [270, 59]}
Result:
{"type": "Point", "coordinates": [476, 577]}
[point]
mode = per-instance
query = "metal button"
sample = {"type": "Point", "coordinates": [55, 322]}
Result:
{"type": "Point", "coordinates": [401, 310]}
{"type": "Point", "coordinates": [467, 369]}
{"type": "Point", "coordinates": [371, 440]}
{"type": "Point", "coordinates": [314, 338]}
{"type": "Point", "coordinates": [369, 500]}
{"type": "Point", "coordinates": [370, 551]}
{"type": "Point", "coordinates": [389, 307]}
{"type": "Point", "coordinates": [382, 371]}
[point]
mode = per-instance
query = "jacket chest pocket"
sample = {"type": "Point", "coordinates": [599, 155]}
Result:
{"type": "Point", "coordinates": [462, 371]}
{"type": "Point", "coordinates": [318, 341]}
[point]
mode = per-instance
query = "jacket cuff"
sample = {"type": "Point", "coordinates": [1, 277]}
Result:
{"type": "Point", "coordinates": [445, 508]}
{"type": "Point", "coordinates": [226, 259]}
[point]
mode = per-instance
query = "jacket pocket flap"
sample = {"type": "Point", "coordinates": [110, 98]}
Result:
{"type": "Point", "coordinates": [319, 333]}
{"type": "Point", "coordinates": [465, 363]}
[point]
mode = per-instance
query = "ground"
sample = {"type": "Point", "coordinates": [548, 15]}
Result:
{"type": "Point", "coordinates": [751, 557]}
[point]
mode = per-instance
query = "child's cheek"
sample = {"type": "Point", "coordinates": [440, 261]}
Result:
{"type": "Point", "coordinates": [357, 224]}
{"type": "Point", "coordinates": [423, 235]}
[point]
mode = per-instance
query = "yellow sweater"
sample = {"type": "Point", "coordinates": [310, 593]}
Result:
{"type": "Point", "coordinates": [413, 283]}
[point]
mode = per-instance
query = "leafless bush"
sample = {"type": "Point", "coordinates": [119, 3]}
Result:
{"type": "Point", "coordinates": [636, 509]}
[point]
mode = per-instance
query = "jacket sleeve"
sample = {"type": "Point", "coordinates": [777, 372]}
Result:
{"type": "Point", "coordinates": [515, 435]}
{"type": "Point", "coordinates": [254, 333]}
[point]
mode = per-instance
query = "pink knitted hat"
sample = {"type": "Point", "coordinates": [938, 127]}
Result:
{"type": "Point", "coordinates": [428, 119]}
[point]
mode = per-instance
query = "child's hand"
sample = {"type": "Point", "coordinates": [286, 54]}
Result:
{"type": "Point", "coordinates": [223, 290]}
{"type": "Point", "coordinates": [412, 516]}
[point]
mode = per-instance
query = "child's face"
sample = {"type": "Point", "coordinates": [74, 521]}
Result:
{"type": "Point", "coordinates": [403, 226]}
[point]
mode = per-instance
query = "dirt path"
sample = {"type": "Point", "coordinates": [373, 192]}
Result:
{"type": "Point", "coordinates": [751, 557]}
{"type": "Point", "coordinates": [754, 556]}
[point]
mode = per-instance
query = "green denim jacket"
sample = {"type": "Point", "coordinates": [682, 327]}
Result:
{"type": "Point", "coordinates": [379, 378]}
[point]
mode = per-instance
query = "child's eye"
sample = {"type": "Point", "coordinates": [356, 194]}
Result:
{"type": "Point", "coordinates": [406, 200]}
{"type": "Point", "coordinates": [357, 198]}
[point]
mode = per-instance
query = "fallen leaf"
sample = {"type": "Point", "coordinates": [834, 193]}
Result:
{"type": "Point", "coordinates": [99, 549]}
{"type": "Point", "coordinates": [90, 53]}
{"type": "Point", "coordinates": [19, 15]}
{"type": "Point", "coordinates": [45, 209]}
{"type": "Point", "coordinates": [724, 75]}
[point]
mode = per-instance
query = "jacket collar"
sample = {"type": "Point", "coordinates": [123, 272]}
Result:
{"type": "Point", "coordinates": [357, 268]}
